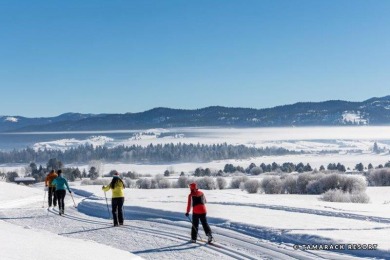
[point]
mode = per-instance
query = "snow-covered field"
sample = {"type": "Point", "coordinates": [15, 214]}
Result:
{"type": "Point", "coordinates": [245, 226]}
{"type": "Point", "coordinates": [293, 138]}
{"type": "Point", "coordinates": [353, 145]}
{"type": "Point", "coordinates": [315, 160]}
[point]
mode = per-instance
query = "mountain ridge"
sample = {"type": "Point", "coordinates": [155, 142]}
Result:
{"type": "Point", "coordinates": [373, 111]}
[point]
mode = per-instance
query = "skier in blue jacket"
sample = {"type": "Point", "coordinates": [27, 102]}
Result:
{"type": "Point", "coordinates": [60, 183]}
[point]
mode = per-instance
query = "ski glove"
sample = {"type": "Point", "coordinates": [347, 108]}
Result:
{"type": "Point", "coordinates": [69, 191]}
{"type": "Point", "coordinates": [187, 214]}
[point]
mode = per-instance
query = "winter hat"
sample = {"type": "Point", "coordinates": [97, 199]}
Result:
{"type": "Point", "coordinates": [193, 186]}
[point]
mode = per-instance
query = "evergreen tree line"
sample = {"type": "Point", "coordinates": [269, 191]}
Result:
{"type": "Point", "coordinates": [153, 153]}
{"type": "Point", "coordinates": [287, 167]}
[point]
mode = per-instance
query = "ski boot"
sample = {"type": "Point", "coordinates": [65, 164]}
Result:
{"type": "Point", "coordinates": [209, 238]}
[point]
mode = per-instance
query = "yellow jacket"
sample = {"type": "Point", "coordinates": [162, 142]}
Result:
{"type": "Point", "coordinates": [117, 192]}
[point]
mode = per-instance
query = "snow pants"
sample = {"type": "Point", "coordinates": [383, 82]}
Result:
{"type": "Point", "coordinates": [61, 196]}
{"type": "Point", "coordinates": [117, 210]}
{"type": "Point", "coordinates": [52, 197]}
{"type": "Point", "coordinates": [195, 225]}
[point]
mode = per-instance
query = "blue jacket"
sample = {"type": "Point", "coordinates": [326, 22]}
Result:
{"type": "Point", "coordinates": [60, 183]}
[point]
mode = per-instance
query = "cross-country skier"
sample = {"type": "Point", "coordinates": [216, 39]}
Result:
{"type": "Point", "coordinates": [52, 197]}
{"type": "Point", "coordinates": [198, 201]}
{"type": "Point", "coordinates": [60, 183]}
{"type": "Point", "coordinates": [118, 198]}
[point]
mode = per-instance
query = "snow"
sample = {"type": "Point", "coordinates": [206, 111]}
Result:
{"type": "Point", "coordinates": [352, 144]}
{"type": "Point", "coordinates": [26, 242]}
{"type": "Point", "coordinates": [11, 119]}
{"type": "Point", "coordinates": [65, 144]}
{"type": "Point", "coordinates": [143, 136]}
{"type": "Point", "coordinates": [294, 214]}
{"type": "Point", "coordinates": [24, 179]}
{"type": "Point", "coordinates": [312, 138]}
{"type": "Point", "coordinates": [245, 226]}
{"type": "Point", "coordinates": [353, 117]}
{"type": "Point", "coordinates": [315, 160]}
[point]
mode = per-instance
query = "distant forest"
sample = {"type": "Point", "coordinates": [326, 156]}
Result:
{"type": "Point", "coordinates": [158, 153]}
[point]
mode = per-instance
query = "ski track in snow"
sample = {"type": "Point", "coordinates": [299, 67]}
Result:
{"type": "Point", "coordinates": [311, 211]}
{"type": "Point", "coordinates": [148, 234]}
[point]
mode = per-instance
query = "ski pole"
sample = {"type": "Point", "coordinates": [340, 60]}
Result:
{"type": "Point", "coordinates": [109, 215]}
{"type": "Point", "coordinates": [73, 200]}
{"type": "Point", "coordinates": [200, 238]}
{"type": "Point", "coordinates": [44, 196]}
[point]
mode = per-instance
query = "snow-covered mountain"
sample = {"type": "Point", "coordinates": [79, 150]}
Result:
{"type": "Point", "coordinates": [374, 111]}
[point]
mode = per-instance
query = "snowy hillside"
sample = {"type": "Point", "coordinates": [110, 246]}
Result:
{"type": "Point", "coordinates": [245, 226]}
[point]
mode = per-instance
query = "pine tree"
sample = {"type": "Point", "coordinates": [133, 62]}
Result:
{"type": "Point", "coordinates": [93, 174]}
{"type": "Point", "coordinates": [359, 167]}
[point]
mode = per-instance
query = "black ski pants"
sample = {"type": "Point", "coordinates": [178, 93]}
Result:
{"type": "Point", "coordinates": [52, 197]}
{"type": "Point", "coordinates": [61, 196]}
{"type": "Point", "coordinates": [117, 210]}
{"type": "Point", "coordinates": [195, 225]}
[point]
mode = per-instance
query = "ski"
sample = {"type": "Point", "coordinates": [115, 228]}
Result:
{"type": "Point", "coordinates": [199, 241]}
{"type": "Point", "coordinates": [213, 244]}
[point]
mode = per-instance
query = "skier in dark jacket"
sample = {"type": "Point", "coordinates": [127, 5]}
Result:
{"type": "Point", "coordinates": [61, 183]}
{"type": "Point", "coordinates": [198, 201]}
{"type": "Point", "coordinates": [52, 197]}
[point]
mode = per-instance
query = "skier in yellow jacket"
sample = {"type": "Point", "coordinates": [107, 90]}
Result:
{"type": "Point", "coordinates": [118, 198]}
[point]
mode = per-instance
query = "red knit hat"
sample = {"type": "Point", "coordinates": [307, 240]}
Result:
{"type": "Point", "coordinates": [193, 186]}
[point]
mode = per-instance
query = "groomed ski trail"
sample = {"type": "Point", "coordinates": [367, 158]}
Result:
{"type": "Point", "coordinates": [154, 238]}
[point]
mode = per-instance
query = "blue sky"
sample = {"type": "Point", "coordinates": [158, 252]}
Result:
{"type": "Point", "coordinates": [130, 56]}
